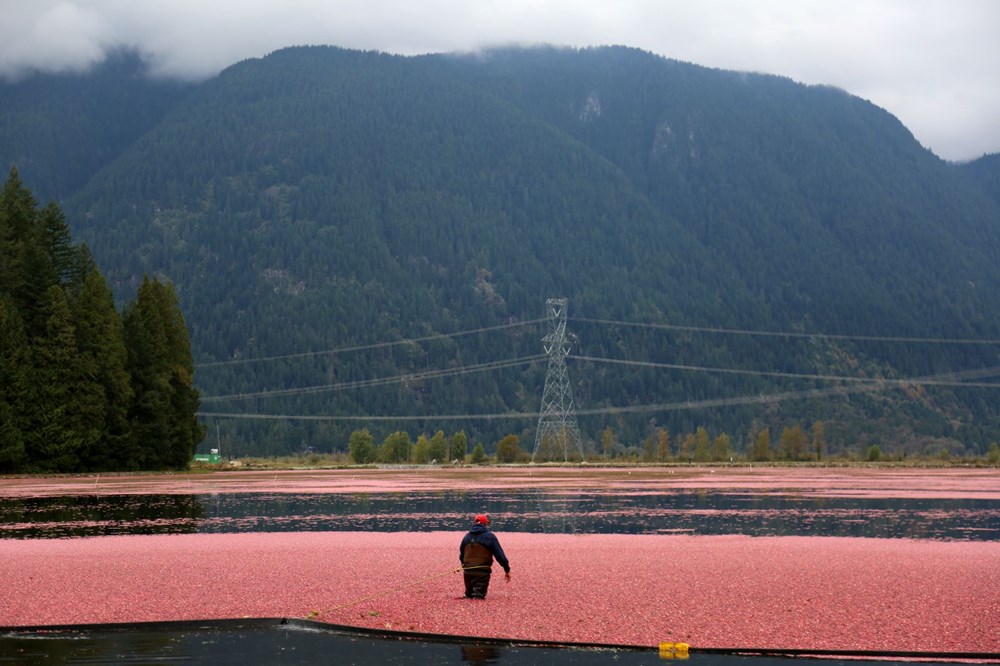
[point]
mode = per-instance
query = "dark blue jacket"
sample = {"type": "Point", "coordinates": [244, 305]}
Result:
{"type": "Point", "coordinates": [482, 535]}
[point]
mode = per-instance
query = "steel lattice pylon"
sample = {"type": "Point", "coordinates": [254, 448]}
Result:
{"type": "Point", "coordinates": [557, 426]}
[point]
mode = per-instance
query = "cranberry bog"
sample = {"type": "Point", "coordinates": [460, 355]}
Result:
{"type": "Point", "coordinates": [870, 560]}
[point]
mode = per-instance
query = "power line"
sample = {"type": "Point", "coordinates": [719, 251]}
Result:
{"type": "Point", "coordinates": [611, 322]}
{"type": "Point", "coordinates": [371, 417]}
{"type": "Point", "coordinates": [873, 385]}
{"type": "Point", "coordinates": [783, 375]}
{"type": "Point", "coordinates": [376, 345]}
{"type": "Point", "coordinates": [789, 334]}
{"type": "Point", "coordinates": [381, 381]}
{"type": "Point", "coordinates": [862, 384]}
{"type": "Point", "coordinates": [498, 365]}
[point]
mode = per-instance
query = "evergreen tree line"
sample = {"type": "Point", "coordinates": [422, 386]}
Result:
{"type": "Point", "coordinates": [82, 387]}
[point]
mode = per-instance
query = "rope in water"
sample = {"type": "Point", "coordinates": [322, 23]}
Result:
{"type": "Point", "coordinates": [392, 591]}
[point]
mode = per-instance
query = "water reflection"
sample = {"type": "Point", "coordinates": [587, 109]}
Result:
{"type": "Point", "coordinates": [96, 515]}
{"type": "Point", "coordinates": [268, 641]}
{"type": "Point", "coordinates": [521, 511]}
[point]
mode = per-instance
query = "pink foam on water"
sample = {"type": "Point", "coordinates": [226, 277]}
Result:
{"type": "Point", "coordinates": [711, 591]}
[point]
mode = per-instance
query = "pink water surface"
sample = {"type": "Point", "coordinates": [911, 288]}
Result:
{"type": "Point", "coordinates": [711, 591]}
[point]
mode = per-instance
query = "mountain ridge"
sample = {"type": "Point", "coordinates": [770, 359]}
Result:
{"type": "Point", "coordinates": [366, 197]}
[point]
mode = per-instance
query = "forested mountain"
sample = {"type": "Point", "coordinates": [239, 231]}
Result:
{"type": "Point", "coordinates": [985, 173]}
{"type": "Point", "coordinates": [325, 199]}
{"type": "Point", "coordinates": [60, 130]}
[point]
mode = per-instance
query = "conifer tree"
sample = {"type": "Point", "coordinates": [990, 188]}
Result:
{"type": "Point", "coordinates": [15, 387]}
{"type": "Point", "coordinates": [165, 428]}
{"type": "Point", "coordinates": [24, 268]}
{"type": "Point", "coordinates": [55, 239]}
{"type": "Point", "coordinates": [57, 432]}
{"type": "Point", "coordinates": [101, 344]}
{"type": "Point", "coordinates": [67, 401]}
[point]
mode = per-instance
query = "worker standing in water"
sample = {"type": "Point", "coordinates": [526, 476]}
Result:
{"type": "Point", "coordinates": [476, 553]}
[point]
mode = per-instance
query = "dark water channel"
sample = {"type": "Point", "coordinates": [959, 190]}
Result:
{"type": "Point", "coordinates": [513, 511]}
{"type": "Point", "coordinates": [273, 642]}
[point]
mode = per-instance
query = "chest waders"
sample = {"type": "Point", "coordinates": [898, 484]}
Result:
{"type": "Point", "coordinates": [477, 564]}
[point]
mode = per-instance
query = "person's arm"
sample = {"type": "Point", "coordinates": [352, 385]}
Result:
{"type": "Point", "coordinates": [500, 556]}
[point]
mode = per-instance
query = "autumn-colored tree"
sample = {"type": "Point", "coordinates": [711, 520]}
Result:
{"type": "Point", "coordinates": [993, 455]}
{"type": "Point", "coordinates": [818, 439]}
{"type": "Point", "coordinates": [721, 448]}
{"type": "Point", "coordinates": [509, 449]}
{"type": "Point", "coordinates": [608, 442]}
{"type": "Point", "coordinates": [686, 451]}
{"type": "Point", "coordinates": [662, 444]}
{"type": "Point", "coordinates": [793, 443]}
{"type": "Point", "coordinates": [649, 448]}
{"type": "Point", "coordinates": [421, 450]}
{"type": "Point", "coordinates": [762, 446]}
{"type": "Point", "coordinates": [701, 452]}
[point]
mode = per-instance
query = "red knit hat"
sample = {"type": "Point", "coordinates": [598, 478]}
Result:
{"type": "Point", "coordinates": [482, 519]}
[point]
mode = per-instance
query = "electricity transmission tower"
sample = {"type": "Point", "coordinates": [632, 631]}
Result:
{"type": "Point", "coordinates": [557, 426]}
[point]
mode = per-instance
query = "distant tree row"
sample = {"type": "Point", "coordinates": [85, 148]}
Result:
{"type": "Point", "coordinates": [398, 447]}
{"type": "Point", "coordinates": [793, 445]}
{"type": "Point", "coordinates": [83, 388]}
{"type": "Point", "coordinates": [699, 446]}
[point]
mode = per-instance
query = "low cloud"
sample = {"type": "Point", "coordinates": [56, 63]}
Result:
{"type": "Point", "coordinates": [932, 63]}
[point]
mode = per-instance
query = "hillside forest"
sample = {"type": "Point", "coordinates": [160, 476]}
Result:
{"type": "Point", "coordinates": [362, 246]}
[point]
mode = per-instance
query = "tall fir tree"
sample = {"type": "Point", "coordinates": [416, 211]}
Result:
{"type": "Point", "coordinates": [58, 431]}
{"type": "Point", "coordinates": [163, 415]}
{"type": "Point", "coordinates": [56, 241]}
{"type": "Point", "coordinates": [101, 344]}
{"type": "Point", "coordinates": [15, 387]}
{"type": "Point", "coordinates": [24, 270]}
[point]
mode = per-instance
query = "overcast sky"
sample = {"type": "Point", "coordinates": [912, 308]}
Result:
{"type": "Point", "coordinates": [935, 64]}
